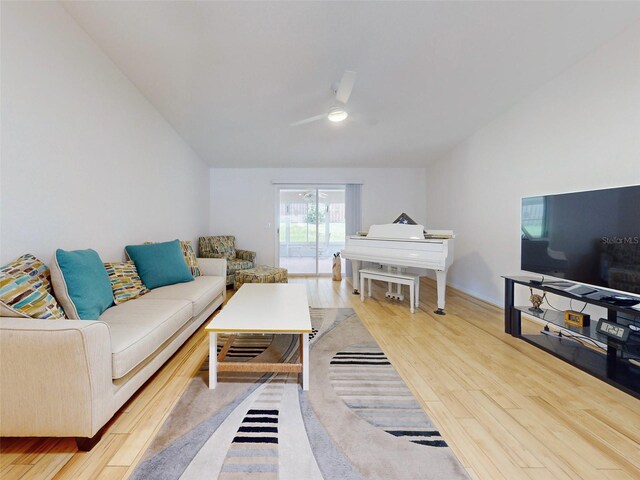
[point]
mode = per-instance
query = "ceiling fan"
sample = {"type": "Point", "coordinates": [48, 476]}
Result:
{"type": "Point", "coordinates": [337, 112]}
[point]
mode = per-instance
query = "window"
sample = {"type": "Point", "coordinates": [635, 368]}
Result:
{"type": "Point", "coordinates": [311, 228]}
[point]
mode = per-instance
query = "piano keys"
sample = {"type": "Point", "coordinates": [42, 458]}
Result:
{"type": "Point", "coordinates": [401, 245]}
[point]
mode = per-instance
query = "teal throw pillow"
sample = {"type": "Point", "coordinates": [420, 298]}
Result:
{"type": "Point", "coordinates": [160, 264]}
{"type": "Point", "coordinates": [81, 283]}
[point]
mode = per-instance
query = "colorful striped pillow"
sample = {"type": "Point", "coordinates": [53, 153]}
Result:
{"type": "Point", "coordinates": [190, 257]}
{"type": "Point", "coordinates": [29, 265]}
{"type": "Point", "coordinates": [125, 281]}
{"type": "Point", "coordinates": [25, 290]}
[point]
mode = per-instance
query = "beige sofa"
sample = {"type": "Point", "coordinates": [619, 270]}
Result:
{"type": "Point", "coordinates": [67, 378]}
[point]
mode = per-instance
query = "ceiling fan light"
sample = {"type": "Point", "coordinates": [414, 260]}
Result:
{"type": "Point", "coordinates": [337, 114]}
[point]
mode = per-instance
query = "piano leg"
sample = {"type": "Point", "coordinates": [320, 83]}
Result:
{"type": "Point", "coordinates": [441, 282]}
{"type": "Point", "coordinates": [355, 276]}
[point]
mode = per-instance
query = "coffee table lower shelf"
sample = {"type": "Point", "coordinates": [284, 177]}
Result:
{"type": "Point", "coordinates": [216, 363]}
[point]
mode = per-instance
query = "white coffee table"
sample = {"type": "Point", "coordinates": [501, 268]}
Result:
{"type": "Point", "coordinates": [261, 308]}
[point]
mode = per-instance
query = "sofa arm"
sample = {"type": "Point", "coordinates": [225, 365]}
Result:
{"type": "Point", "coordinates": [55, 377]}
{"type": "Point", "coordinates": [216, 267]}
{"type": "Point", "coordinates": [246, 255]}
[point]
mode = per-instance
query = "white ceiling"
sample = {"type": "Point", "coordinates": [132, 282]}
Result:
{"type": "Point", "coordinates": [231, 77]}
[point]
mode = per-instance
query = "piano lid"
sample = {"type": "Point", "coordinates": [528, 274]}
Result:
{"type": "Point", "coordinates": [397, 231]}
{"type": "Point", "coordinates": [393, 233]}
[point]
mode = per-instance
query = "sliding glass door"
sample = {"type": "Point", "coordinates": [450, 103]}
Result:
{"type": "Point", "coordinates": [311, 228]}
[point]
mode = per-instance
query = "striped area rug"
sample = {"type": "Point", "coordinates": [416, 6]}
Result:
{"type": "Point", "coordinates": [365, 380]}
{"type": "Point", "coordinates": [245, 347]}
{"type": "Point", "coordinates": [253, 453]}
{"type": "Point", "coordinates": [359, 420]}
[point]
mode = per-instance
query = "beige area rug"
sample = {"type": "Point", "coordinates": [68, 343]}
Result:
{"type": "Point", "coordinates": [358, 420]}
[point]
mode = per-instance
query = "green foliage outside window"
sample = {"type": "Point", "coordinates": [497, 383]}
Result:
{"type": "Point", "coordinates": [312, 214]}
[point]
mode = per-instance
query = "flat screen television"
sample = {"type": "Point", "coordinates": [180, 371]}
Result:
{"type": "Point", "coordinates": [588, 237]}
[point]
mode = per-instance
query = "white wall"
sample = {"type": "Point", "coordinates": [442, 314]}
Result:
{"type": "Point", "coordinates": [87, 162]}
{"type": "Point", "coordinates": [581, 131]}
{"type": "Point", "coordinates": [243, 200]}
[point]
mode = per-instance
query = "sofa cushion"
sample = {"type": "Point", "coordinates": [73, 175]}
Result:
{"type": "Point", "coordinates": [235, 264]}
{"type": "Point", "coordinates": [190, 257]}
{"type": "Point", "coordinates": [125, 281]}
{"type": "Point", "coordinates": [139, 328]}
{"type": "Point", "coordinates": [160, 264]}
{"type": "Point", "coordinates": [200, 292]}
{"type": "Point", "coordinates": [25, 290]}
{"type": "Point", "coordinates": [81, 283]}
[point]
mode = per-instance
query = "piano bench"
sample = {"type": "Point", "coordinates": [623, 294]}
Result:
{"type": "Point", "coordinates": [399, 278]}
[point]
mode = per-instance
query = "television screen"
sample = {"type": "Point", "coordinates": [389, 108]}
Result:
{"type": "Point", "coordinates": [587, 237]}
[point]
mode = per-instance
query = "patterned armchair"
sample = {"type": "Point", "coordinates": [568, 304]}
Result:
{"type": "Point", "coordinates": [225, 247]}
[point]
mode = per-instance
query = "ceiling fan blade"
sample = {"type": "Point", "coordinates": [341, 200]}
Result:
{"type": "Point", "coordinates": [308, 120]}
{"type": "Point", "coordinates": [345, 87]}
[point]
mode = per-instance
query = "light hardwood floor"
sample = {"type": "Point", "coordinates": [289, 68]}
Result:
{"type": "Point", "coordinates": [507, 409]}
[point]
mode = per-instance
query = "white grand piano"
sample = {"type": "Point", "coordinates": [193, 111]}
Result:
{"type": "Point", "coordinates": [401, 245]}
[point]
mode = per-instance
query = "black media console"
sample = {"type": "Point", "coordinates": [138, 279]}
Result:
{"type": "Point", "coordinates": [619, 365]}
